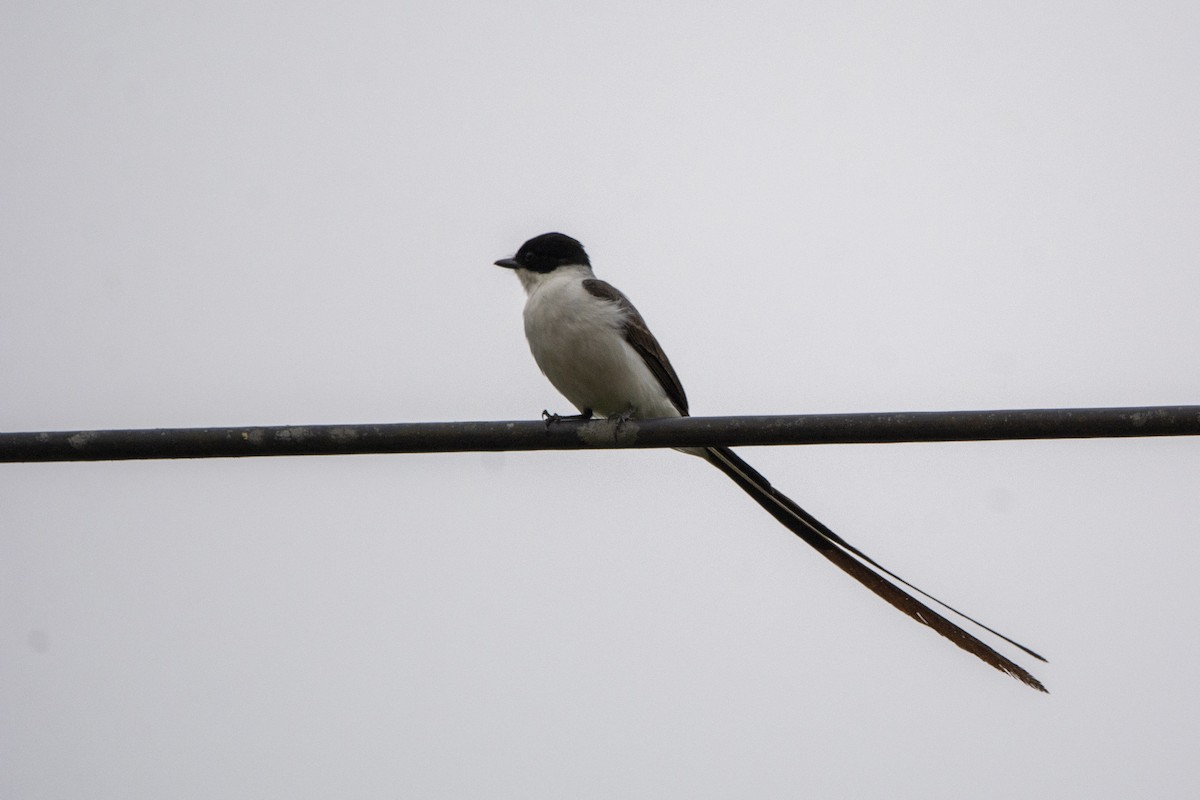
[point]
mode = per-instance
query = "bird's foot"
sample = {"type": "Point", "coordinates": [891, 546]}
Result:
{"type": "Point", "coordinates": [622, 418]}
{"type": "Point", "coordinates": [551, 418]}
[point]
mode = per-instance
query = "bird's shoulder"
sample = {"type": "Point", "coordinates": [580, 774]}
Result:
{"type": "Point", "coordinates": [637, 334]}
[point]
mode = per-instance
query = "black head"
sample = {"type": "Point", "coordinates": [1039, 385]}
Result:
{"type": "Point", "coordinates": [547, 253]}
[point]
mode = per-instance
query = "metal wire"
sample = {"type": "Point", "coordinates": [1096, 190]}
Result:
{"type": "Point", "coordinates": [455, 437]}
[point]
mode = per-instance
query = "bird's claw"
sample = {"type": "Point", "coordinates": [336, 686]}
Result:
{"type": "Point", "coordinates": [550, 417]}
{"type": "Point", "coordinates": [622, 418]}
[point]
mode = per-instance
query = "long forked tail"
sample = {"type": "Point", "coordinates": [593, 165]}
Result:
{"type": "Point", "coordinates": [862, 568]}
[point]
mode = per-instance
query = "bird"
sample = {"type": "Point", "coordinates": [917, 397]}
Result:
{"type": "Point", "coordinates": [595, 348]}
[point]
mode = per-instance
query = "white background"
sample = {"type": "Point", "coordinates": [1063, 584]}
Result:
{"type": "Point", "coordinates": [288, 213]}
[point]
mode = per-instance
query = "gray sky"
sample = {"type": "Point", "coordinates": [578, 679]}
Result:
{"type": "Point", "coordinates": [287, 213]}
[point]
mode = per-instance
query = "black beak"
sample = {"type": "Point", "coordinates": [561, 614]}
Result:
{"type": "Point", "coordinates": [508, 263]}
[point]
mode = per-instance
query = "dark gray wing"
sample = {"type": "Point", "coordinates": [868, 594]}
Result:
{"type": "Point", "coordinates": [643, 341]}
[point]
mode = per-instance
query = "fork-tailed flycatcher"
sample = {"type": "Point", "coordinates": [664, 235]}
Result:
{"type": "Point", "coordinates": [595, 348]}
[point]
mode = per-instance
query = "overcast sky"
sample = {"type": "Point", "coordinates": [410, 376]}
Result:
{"type": "Point", "coordinates": [245, 214]}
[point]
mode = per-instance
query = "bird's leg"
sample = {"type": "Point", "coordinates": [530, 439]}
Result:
{"type": "Point", "coordinates": [551, 418]}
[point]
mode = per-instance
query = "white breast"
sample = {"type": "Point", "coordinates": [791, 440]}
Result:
{"type": "Point", "coordinates": [578, 341]}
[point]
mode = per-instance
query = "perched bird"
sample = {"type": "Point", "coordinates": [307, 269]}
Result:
{"type": "Point", "coordinates": [595, 348]}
